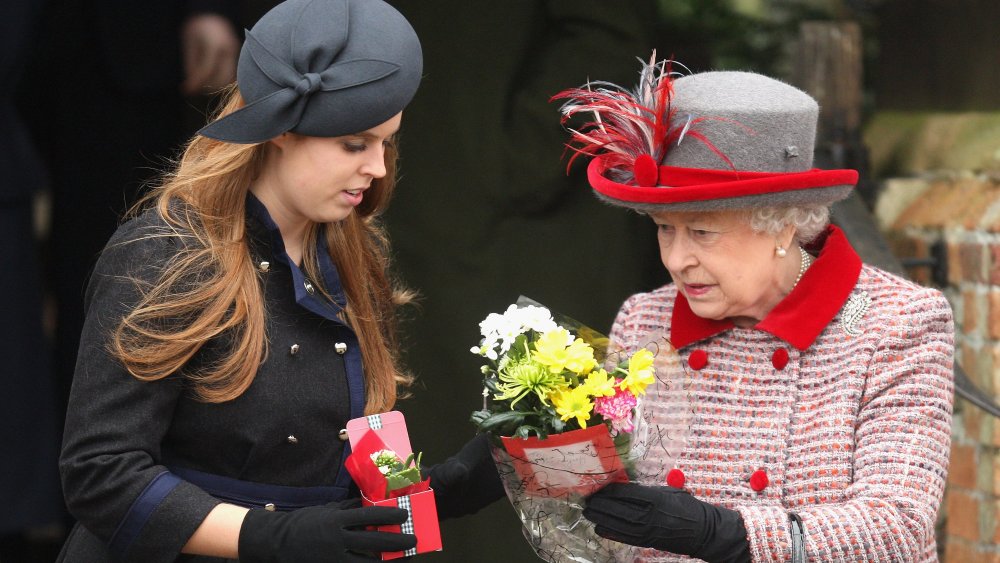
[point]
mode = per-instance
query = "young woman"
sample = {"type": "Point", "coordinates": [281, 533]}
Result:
{"type": "Point", "coordinates": [238, 322]}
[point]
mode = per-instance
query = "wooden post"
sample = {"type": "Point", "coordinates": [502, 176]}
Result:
{"type": "Point", "coordinates": [828, 66]}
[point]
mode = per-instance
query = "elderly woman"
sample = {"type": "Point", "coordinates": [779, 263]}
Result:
{"type": "Point", "coordinates": [820, 387]}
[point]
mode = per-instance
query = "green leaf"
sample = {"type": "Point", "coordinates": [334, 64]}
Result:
{"type": "Point", "coordinates": [526, 430]}
{"type": "Point", "coordinates": [494, 422]}
{"type": "Point", "coordinates": [558, 425]}
{"type": "Point", "coordinates": [478, 417]}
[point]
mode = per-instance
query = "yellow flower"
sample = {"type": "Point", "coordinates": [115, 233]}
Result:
{"type": "Point", "coordinates": [519, 379]}
{"type": "Point", "coordinates": [640, 373]}
{"type": "Point", "coordinates": [572, 403]}
{"type": "Point", "coordinates": [598, 384]}
{"type": "Point", "coordinates": [555, 350]}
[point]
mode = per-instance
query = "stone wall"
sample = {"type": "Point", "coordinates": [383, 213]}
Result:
{"type": "Point", "coordinates": [961, 208]}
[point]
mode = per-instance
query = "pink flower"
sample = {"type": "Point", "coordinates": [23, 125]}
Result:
{"type": "Point", "coordinates": [617, 409]}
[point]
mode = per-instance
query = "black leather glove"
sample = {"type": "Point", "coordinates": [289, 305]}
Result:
{"type": "Point", "coordinates": [467, 481]}
{"type": "Point", "coordinates": [668, 519]}
{"type": "Point", "coordinates": [334, 532]}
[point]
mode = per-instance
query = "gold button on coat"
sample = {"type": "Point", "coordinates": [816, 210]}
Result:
{"type": "Point", "coordinates": [341, 348]}
{"type": "Point", "coordinates": [342, 435]}
{"type": "Point", "coordinates": [309, 288]}
{"type": "Point", "coordinates": [264, 266]}
{"type": "Point", "coordinates": [269, 507]}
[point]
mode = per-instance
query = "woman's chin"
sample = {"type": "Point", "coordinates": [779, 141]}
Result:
{"type": "Point", "coordinates": [332, 215]}
{"type": "Point", "coordinates": [706, 310]}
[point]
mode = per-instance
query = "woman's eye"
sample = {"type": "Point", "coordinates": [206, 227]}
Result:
{"type": "Point", "coordinates": [355, 147]}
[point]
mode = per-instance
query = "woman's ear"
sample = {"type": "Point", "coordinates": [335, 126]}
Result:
{"type": "Point", "coordinates": [786, 237]}
{"type": "Point", "coordinates": [281, 141]}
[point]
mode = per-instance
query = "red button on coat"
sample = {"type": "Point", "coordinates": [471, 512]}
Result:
{"type": "Point", "coordinates": [758, 480]}
{"type": "Point", "coordinates": [675, 478]}
{"type": "Point", "coordinates": [698, 359]}
{"type": "Point", "coordinates": [780, 358]}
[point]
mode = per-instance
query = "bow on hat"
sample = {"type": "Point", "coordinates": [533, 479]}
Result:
{"type": "Point", "coordinates": [285, 107]}
{"type": "Point", "coordinates": [337, 50]}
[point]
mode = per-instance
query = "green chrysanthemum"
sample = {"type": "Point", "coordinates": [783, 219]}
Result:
{"type": "Point", "coordinates": [518, 379]}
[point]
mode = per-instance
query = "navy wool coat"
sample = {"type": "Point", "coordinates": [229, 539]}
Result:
{"type": "Point", "coordinates": [143, 463]}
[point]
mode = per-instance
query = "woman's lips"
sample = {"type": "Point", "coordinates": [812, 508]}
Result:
{"type": "Point", "coordinates": [354, 197]}
{"type": "Point", "coordinates": [696, 289]}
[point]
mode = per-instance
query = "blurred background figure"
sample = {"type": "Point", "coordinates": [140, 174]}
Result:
{"type": "Point", "coordinates": [29, 486]}
{"type": "Point", "coordinates": [104, 93]}
{"type": "Point", "coordinates": [108, 90]}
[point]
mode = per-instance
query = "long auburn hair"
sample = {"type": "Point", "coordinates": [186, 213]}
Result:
{"type": "Point", "coordinates": [211, 288]}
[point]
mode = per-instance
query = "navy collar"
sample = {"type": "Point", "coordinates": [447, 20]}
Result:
{"type": "Point", "coordinates": [803, 314]}
{"type": "Point", "coordinates": [264, 231]}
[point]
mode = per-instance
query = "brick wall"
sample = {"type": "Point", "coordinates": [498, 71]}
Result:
{"type": "Point", "coordinates": [962, 210]}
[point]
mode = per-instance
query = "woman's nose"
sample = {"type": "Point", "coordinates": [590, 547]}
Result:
{"type": "Point", "coordinates": [374, 166]}
{"type": "Point", "coordinates": [677, 255]}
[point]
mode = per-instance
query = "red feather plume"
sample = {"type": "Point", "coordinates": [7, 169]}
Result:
{"type": "Point", "coordinates": [628, 124]}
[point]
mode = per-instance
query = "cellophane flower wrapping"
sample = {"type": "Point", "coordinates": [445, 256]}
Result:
{"type": "Point", "coordinates": [553, 448]}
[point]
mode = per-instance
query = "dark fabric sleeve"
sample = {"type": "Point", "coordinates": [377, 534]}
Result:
{"type": "Point", "coordinates": [112, 479]}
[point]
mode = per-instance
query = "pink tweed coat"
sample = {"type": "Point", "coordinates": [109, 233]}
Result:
{"type": "Point", "coordinates": [841, 397]}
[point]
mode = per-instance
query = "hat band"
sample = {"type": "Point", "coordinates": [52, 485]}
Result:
{"type": "Point", "coordinates": [698, 184]}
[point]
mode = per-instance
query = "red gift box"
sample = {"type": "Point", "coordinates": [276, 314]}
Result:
{"type": "Point", "coordinates": [388, 431]}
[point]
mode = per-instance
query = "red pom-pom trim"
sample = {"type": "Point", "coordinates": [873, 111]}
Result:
{"type": "Point", "coordinates": [759, 480]}
{"type": "Point", "coordinates": [675, 478]}
{"type": "Point", "coordinates": [780, 358]}
{"type": "Point", "coordinates": [698, 359]}
{"type": "Point", "coordinates": [646, 171]}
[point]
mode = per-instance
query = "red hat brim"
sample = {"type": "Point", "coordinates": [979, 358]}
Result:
{"type": "Point", "coordinates": [694, 188]}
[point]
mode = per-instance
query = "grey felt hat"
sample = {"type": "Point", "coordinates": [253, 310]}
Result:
{"type": "Point", "coordinates": [713, 140]}
{"type": "Point", "coordinates": [322, 68]}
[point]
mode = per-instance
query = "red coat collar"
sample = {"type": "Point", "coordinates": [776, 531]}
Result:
{"type": "Point", "coordinates": [803, 314]}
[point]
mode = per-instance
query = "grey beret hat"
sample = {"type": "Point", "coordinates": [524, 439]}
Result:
{"type": "Point", "coordinates": [322, 68]}
{"type": "Point", "coordinates": [707, 141]}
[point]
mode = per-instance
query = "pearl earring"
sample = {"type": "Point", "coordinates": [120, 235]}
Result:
{"type": "Point", "coordinates": [780, 251]}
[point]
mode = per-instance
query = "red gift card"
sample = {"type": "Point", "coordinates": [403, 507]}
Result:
{"type": "Point", "coordinates": [377, 432]}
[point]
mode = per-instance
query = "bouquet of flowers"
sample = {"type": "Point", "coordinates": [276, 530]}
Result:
{"type": "Point", "coordinates": [568, 419]}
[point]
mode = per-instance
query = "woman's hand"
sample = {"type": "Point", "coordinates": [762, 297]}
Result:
{"type": "Point", "coordinates": [334, 532]}
{"type": "Point", "coordinates": [467, 481]}
{"type": "Point", "coordinates": [668, 519]}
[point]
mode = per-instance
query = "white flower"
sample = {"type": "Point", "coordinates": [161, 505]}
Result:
{"type": "Point", "coordinates": [505, 328]}
{"type": "Point", "coordinates": [384, 460]}
{"type": "Point", "coordinates": [538, 319]}
{"type": "Point", "coordinates": [487, 351]}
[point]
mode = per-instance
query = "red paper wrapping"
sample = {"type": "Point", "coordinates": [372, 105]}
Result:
{"type": "Point", "coordinates": [576, 462]}
{"type": "Point", "coordinates": [423, 522]}
{"type": "Point", "coordinates": [366, 475]}
{"type": "Point", "coordinates": [387, 431]}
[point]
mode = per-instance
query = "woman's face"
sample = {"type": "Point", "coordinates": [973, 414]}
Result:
{"type": "Point", "coordinates": [723, 267]}
{"type": "Point", "coordinates": [321, 179]}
